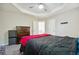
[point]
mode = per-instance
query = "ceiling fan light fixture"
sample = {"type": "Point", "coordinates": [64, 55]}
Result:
{"type": "Point", "coordinates": [41, 6]}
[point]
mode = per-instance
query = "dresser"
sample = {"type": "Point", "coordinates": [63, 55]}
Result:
{"type": "Point", "coordinates": [12, 36]}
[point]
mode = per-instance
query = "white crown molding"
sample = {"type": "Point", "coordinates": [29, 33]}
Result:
{"type": "Point", "coordinates": [35, 14]}
{"type": "Point", "coordinates": [59, 9]}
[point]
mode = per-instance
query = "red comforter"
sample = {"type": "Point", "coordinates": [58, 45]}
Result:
{"type": "Point", "coordinates": [24, 40]}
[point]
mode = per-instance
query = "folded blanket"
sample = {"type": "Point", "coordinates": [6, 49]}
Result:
{"type": "Point", "coordinates": [24, 40]}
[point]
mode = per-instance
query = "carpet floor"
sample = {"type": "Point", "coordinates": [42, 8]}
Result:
{"type": "Point", "coordinates": [10, 50]}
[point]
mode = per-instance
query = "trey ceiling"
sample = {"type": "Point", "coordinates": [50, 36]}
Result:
{"type": "Point", "coordinates": [44, 9]}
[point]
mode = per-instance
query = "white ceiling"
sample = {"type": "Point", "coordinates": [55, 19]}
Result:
{"type": "Point", "coordinates": [49, 8]}
{"type": "Point", "coordinates": [33, 7]}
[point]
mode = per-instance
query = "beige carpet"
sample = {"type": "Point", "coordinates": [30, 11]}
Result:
{"type": "Point", "coordinates": [12, 50]}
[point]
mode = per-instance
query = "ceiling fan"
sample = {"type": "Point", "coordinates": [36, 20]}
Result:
{"type": "Point", "coordinates": [41, 6]}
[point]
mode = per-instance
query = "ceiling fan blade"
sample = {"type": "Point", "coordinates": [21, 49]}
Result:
{"type": "Point", "coordinates": [45, 9]}
{"type": "Point", "coordinates": [31, 6]}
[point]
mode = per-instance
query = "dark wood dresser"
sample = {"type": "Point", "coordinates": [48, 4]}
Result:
{"type": "Point", "coordinates": [12, 37]}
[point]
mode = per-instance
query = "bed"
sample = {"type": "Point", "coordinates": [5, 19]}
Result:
{"type": "Point", "coordinates": [50, 45]}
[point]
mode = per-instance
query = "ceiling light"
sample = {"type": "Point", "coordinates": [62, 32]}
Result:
{"type": "Point", "coordinates": [41, 6]}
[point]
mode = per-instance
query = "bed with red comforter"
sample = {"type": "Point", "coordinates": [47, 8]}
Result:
{"type": "Point", "coordinates": [46, 44]}
{"type": "Point", "coordinates": [24, 40]}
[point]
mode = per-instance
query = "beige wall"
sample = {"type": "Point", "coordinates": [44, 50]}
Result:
{"type": "Point", "coordinates": [50, 26]}
{"type": "Point", "coordinates": [70, 29]}
{"type": "Point", "coordinates": [9, 21]}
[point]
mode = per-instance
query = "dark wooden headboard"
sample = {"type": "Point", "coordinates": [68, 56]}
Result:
{"type": "Point", "coordinates": [22, 31]}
